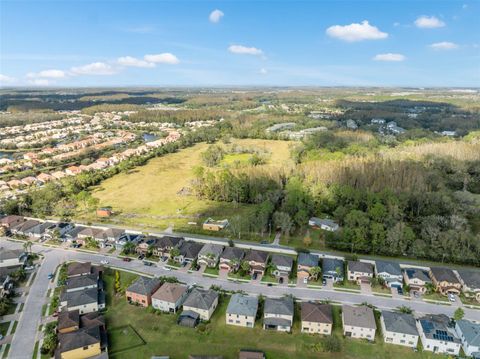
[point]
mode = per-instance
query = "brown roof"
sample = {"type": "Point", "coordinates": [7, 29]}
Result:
{"type": "Point", "coordinates": [92, 320]}
{"type": "Point", "coordinates": [78, 339]}
{"type": "Point", "coordinates": [318, 313]}
{"type": "Point", "coordinates": [251, 354]}
{"type": "Point", "coordinates": [68, 319]}
{"type": "Point", "coordinates": [77, 268]}
{"type": "Point", "coordinates": [169, 292]}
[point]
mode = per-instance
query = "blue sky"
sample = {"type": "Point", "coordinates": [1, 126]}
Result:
{"type": "Point", "coordinates": [161, 43]}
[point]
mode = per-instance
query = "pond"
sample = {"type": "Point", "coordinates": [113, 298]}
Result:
{"type": "Point", "coordinates": [149, 137]}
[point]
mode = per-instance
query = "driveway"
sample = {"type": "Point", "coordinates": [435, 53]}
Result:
{"type": "Point", "coordinates": [365, 288]}
{"type": "Point", "coordinates": [300, 283]}
{"type": "Point", "coordinates": [223, 274]}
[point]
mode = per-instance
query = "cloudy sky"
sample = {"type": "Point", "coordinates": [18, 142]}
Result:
{"type": "Point", "coordinates": [161, 43]}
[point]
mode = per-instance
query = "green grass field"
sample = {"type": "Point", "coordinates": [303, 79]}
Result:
{"type": "Point", "coordinates": [164, 337]}
{"type": "Point", "coordinates": [149, 197]}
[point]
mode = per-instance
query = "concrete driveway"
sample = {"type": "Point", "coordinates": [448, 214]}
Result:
{"type": "Point", "coordinates": [365, 288]}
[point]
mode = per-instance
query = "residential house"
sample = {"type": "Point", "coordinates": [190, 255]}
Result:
{"type": "Point", "coordinates": [358, 322]}
{"type": "Point", "coordinates": [201, 301]}
{"type": "Point", "coordinates": [416, 279]}
{"type": "Point", "coordinates": [316, 318]}
{"type": "Point", "coordinates": [242, 310]}
{"type": "Point", "coordinates": [257, 261]}
{"type": "Point", "coordinates": [445, 280]}
{"type": "Point", "coordinates": [146, 244]}
{"type": "Point", "coordinates": [73, 233]}
{"type": "Point", "coordinates": [85, 301]}
{"type": "Point", "coordinates": [112, 235]}
{"type": "Point", "coordinates": [188, 252]}
{"type": "Point", "coordinates": [125, 238]}
{"type": "Point", "coordinates": [11, 257]}
{"type": "Point", "coordinates": [91, 233]}
{"type": "Point", "coordinates": [282, 265]}
{"type": "Point", "coordinates": [59, 175]}
{"type": "Point", "coordinates": [104, 212]}
{"type": "Point", "coordinates": [82, 282]}
{"type": "Point", "coordinates": [76, 269]}
{"type": "Point", "coordinates": [68, 321]}
{"type": "Point", "coordinates": [438, 335]}
{"type": "Point", "coordinates": [165, 244]}
{"type": "Point", "coordinates": [29, 181]}
{"type": "Point", "coordinates": [390, 272]}
{"type": "Point", "coordinates": [359, 271]}
{"type": "Point", "coordinates": [231, 258]}
{"type": "Point", "coordinates": [169, 297]}
{"type": "Point", "coordinates": [333, 269]}
{"type": "Point", "coordinates": [209, 255]}
{"type": "Point", "coordinates": [6, 282]}
{"type": "Point", "coordinates": [399, 328]}
{"type": "Point", "coordinates": [212, 225]}
{"type": "Point", "coordinates": [469, 334]}
{"type": "Point", "coordinates": [470, 281]}
{"type": "Point", "coordinates": [38, 232]}
{"type": "Point", "coordinates": [323, 223]}
{"type": "Point", "coordinates": [278, 314]}
{"type": "Point", "coordinates": [141, 290]}
{"type": "Point", "coordinates": [305, 262]}
{"type": "Point", "coordinates": [44, 178]}
{"type": "Point", "coordinates": [58, 230]}
{"type": "Point", "coordinates": [23, 228]}
{"type": "Point", "coordinates": [11, 221]}
{"type": "Point", "coordinates": [73, 170]}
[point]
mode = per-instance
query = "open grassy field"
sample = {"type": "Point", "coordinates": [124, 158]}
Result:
{"type": "Point", "coordinates": [163, 336]}
{"type": "Point", "coordinates": [149, 195]}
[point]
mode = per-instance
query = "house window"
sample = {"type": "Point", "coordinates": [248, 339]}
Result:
{"type": "Point", "coordinates": [85, 348]}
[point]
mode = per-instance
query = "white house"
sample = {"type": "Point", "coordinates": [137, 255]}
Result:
{"type": "Point", "coordinates": [325, 224]}
{"type": "Point", "coordinates": [399, 329]}
{"type": "Point", "coordinates": [469, 334]}
{"type": "Point", "coordinates": [437, 335]}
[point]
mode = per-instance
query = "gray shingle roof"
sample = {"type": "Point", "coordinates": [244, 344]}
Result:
{"type": "Point", "coordinates": [82, 281]}
{"type": "Point", "coordinates": [190, 249]}
{"type": "Point", "coordinates": [144, 285]}
{"type": "Point", "coordinates": [307, 260]}
{"type": "Point", "coordinates": [317, 313]}
{"type": "Point", "coordinates": [257, 256]}
{"type": "Point", "coordinates": [444, 274]}
{"type": "Point", "coordinates": [282, 260]}
{"type": "Point", "coordinates": [211, 249]}
{"type": "Point", "coordinates": [415, 273]}
{"type": "Point", "coordinates": [391, 268]}
{"type": "Point", "coordinates": [282, 306]}
{"type": "Point", "coordinates": [243, 305]}
{"type": "Point", "coordinates": [331, 265]}
{"type": "Point", "coordinates": [356, 266]}
{"type": "Point", "coordinates": [400, 323]}
{"type": "Point", "coordinates": [80, 297]}
{"type": "Point", "coordinates": [79, 268]}
{"type": "Point", "coordinates": [470, 331]}
{"type": "Point", "coordinates": [232, 253]}
{"type": "Point", "coordinates": [470, 278]}
{"type": "Point", "coordinates": [361, 316]}
{"type": "Point", "coordinates": [201, 298]}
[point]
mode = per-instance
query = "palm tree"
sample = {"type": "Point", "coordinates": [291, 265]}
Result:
{"type": "Point", "coordinates": [27, 246]}
{"type": "Point", "coordinates": [315, 271]}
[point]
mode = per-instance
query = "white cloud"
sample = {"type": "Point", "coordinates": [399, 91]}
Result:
{"type": "Point", "coordinates": [215, 16]}
{"type": "Point", "coordinates": [165, 58]}
{"type": "Point", "coordinates": [49, 74]}
{"type": "Point", "coordinates": [389, 57]}
{"type": "Point", "coordinates": [263, 71]}
{"type": "Point", "coordinates": [134, 62]}
{"type": "Point", "coordinates": [356, 32]}
{"type": "Point", "coordinates": [7, 79]}
{"type": "Point", "coordinates": [429, 22]}
{"type": "Point", "coordinates": [95, 68]}
{"type": "Point", "coordinates": [39, 82]}
{"type": "Point", "coordinates": [244, 50]}
{"type": "Point", "coordinates": [444, 45]}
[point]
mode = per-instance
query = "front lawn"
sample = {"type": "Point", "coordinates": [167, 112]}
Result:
{"type": "Point", "coordinates": [377, 288]}
{"type": "Point", "coordinates": [346, 285]}
{"type": "Point", "coordinates": [238, 275]}
{"type": "Point", "coordinates": [163, 336]}
{"type": "Point", "coordinates": [436, 296]}
{"type": "Point", "coordinates": [211, 271]}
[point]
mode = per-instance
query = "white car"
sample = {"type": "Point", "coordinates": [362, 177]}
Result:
{"type": "Point", "coordinates": [451, 298]}
{"type": "Point", "coordinates": [104, 261]}
{"type": "Point", "coordinates": [305, 280]}
{"type": "Point", "coordinates": [167, 268]}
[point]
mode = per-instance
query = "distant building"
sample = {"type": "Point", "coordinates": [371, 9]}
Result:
{"type": "Point", "coordinates": [212, 225]}
{"type": "Point", "coordinates": [323, 223]}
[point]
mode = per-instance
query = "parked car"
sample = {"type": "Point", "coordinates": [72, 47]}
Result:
{"type": "Point", "coordinates": [254, 276]}
{"type": "Point", "coordinates": [30, 268]}
{"type": "Point", "coordinates": [50, 276]}
{"type": "Point", "coordinates": [305, 280]}
{"type": "Point", "coordinates": [167, 268]}
{"type": "Point", "coordinates": [280, 280]}
{"type": "Point", "coordinates": [127, 259]}
{"type": "Point", "coordinates": [104, 261]}
{"type": "Point", "coordinates": [324, 282]}
{"type": "Point", "coordinates": [269, 284]}
{"type": "Point", "coordinates": [451, 297]}
{"type": "Point", "coordinates": [141, 256]}
{"type": "Point", "coordinates": [400, 291]}
{"type": "Point", "coordinates": [147, 263]}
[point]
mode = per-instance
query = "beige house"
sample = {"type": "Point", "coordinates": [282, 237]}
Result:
{"type": "Point", "coordinates": [316, 318]}
{"type": "Point", "coordinates": [416, 279]}
{"type": "Point", "coordinates": [359, 271]}
{"type": "Point", "coordinates": [445, 280]}
{"type": "Point", "coordinates": [278, 314]}
{"type": "Point", "coordinates": [358, 322]}
{"type": "Point", "coordinates": [169, 297]}
{"type": "Point", "coordinates": [242, 310]}
{"type": "Point", "coordinates": [201, 301]}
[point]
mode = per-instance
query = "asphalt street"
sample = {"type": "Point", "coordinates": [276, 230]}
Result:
{"type": "Point", "coordinates": [24, 339]}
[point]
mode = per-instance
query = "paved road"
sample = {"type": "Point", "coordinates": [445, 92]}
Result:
{"type": "Point", "coordinates": [23, 343]}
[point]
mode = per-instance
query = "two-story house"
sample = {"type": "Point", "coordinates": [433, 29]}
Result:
{"type": "Point", "coordinates": [399, 328]}
{"type": "Point", "coordinates": [358, 322]}
{"type": "Point", "coordinates": [278, 314]}
{"type": "Point", "coordinates": [445, 280]}
{"type": "Point", "coordinates": [209, 255]}
{"type": "Point", "coordinates": [282, 265]}
{"type": "Point", "coordinates": [305, 262]}
{"type": "Point", "coordinates": [437, 334]}
{"type": "Point", "coordinates": [390, 272]}
{"type": "Point", "coordinates": [201, 301]}
{"type": "Point", "coordinates": [359, 271]}
{"type": "Point", "coordinates": [416, 279]}
{"type": "Point", "coordinates": [231, 258]}
{"type": "Point", "coordinates": [333, 269]}
{"type": "Point", "coordinates": [169, 297]}
{"type": "Point", "coordinates": [257, 261]}
{"type": "Point", "coordinates": [317, 318]}
{"type": "Point", "coordinates": [242, 310]}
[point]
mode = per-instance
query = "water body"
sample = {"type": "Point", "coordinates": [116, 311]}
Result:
{"type": "Point", "coordinates": [149, 137]}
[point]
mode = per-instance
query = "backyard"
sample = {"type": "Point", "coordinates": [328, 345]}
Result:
{"type": "Point", "coordinates": [162, 336]}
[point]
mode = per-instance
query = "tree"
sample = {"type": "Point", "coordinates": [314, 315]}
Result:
{"type": "Point", "coordinates": [27, 246]}
{"type": "Point", "coordinates": [283, 221]}
{"type": "Point", "coordinates": [245, 266]}
{"type": "Point", "coordinates": [117, 286]}
{"type": "Point", "coordinates": [128, 248]}
{"type": "Point", "coordinates": [5, 303]}
{"type": "Point", "coordinates": [458, 314]}
{"type": "Point", "coordinates": [307, 240]}
{"type": "Point", "coordinates": [315, 271]}
{"type": "Point", "coordinates": [174, 252]}
{"type": "Point", "coordinates": [405, 309]}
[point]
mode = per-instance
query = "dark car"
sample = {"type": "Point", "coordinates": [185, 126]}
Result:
{"type": "Point", "coordinates": [141, 256]}
{"type": "Point", "coordinates": [147, 263]}
{"type": "Point", "coordinates": [126, 259]}
{"type": "Point", "coordinates": [269, 284]}
{"type": "Point", "coordinates": [254, 276]}
{"type": "Point", "coordinates": [400, 291]}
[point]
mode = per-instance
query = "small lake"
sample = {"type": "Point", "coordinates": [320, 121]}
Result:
{"type": "Point", "coordinates": [149, 137]}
